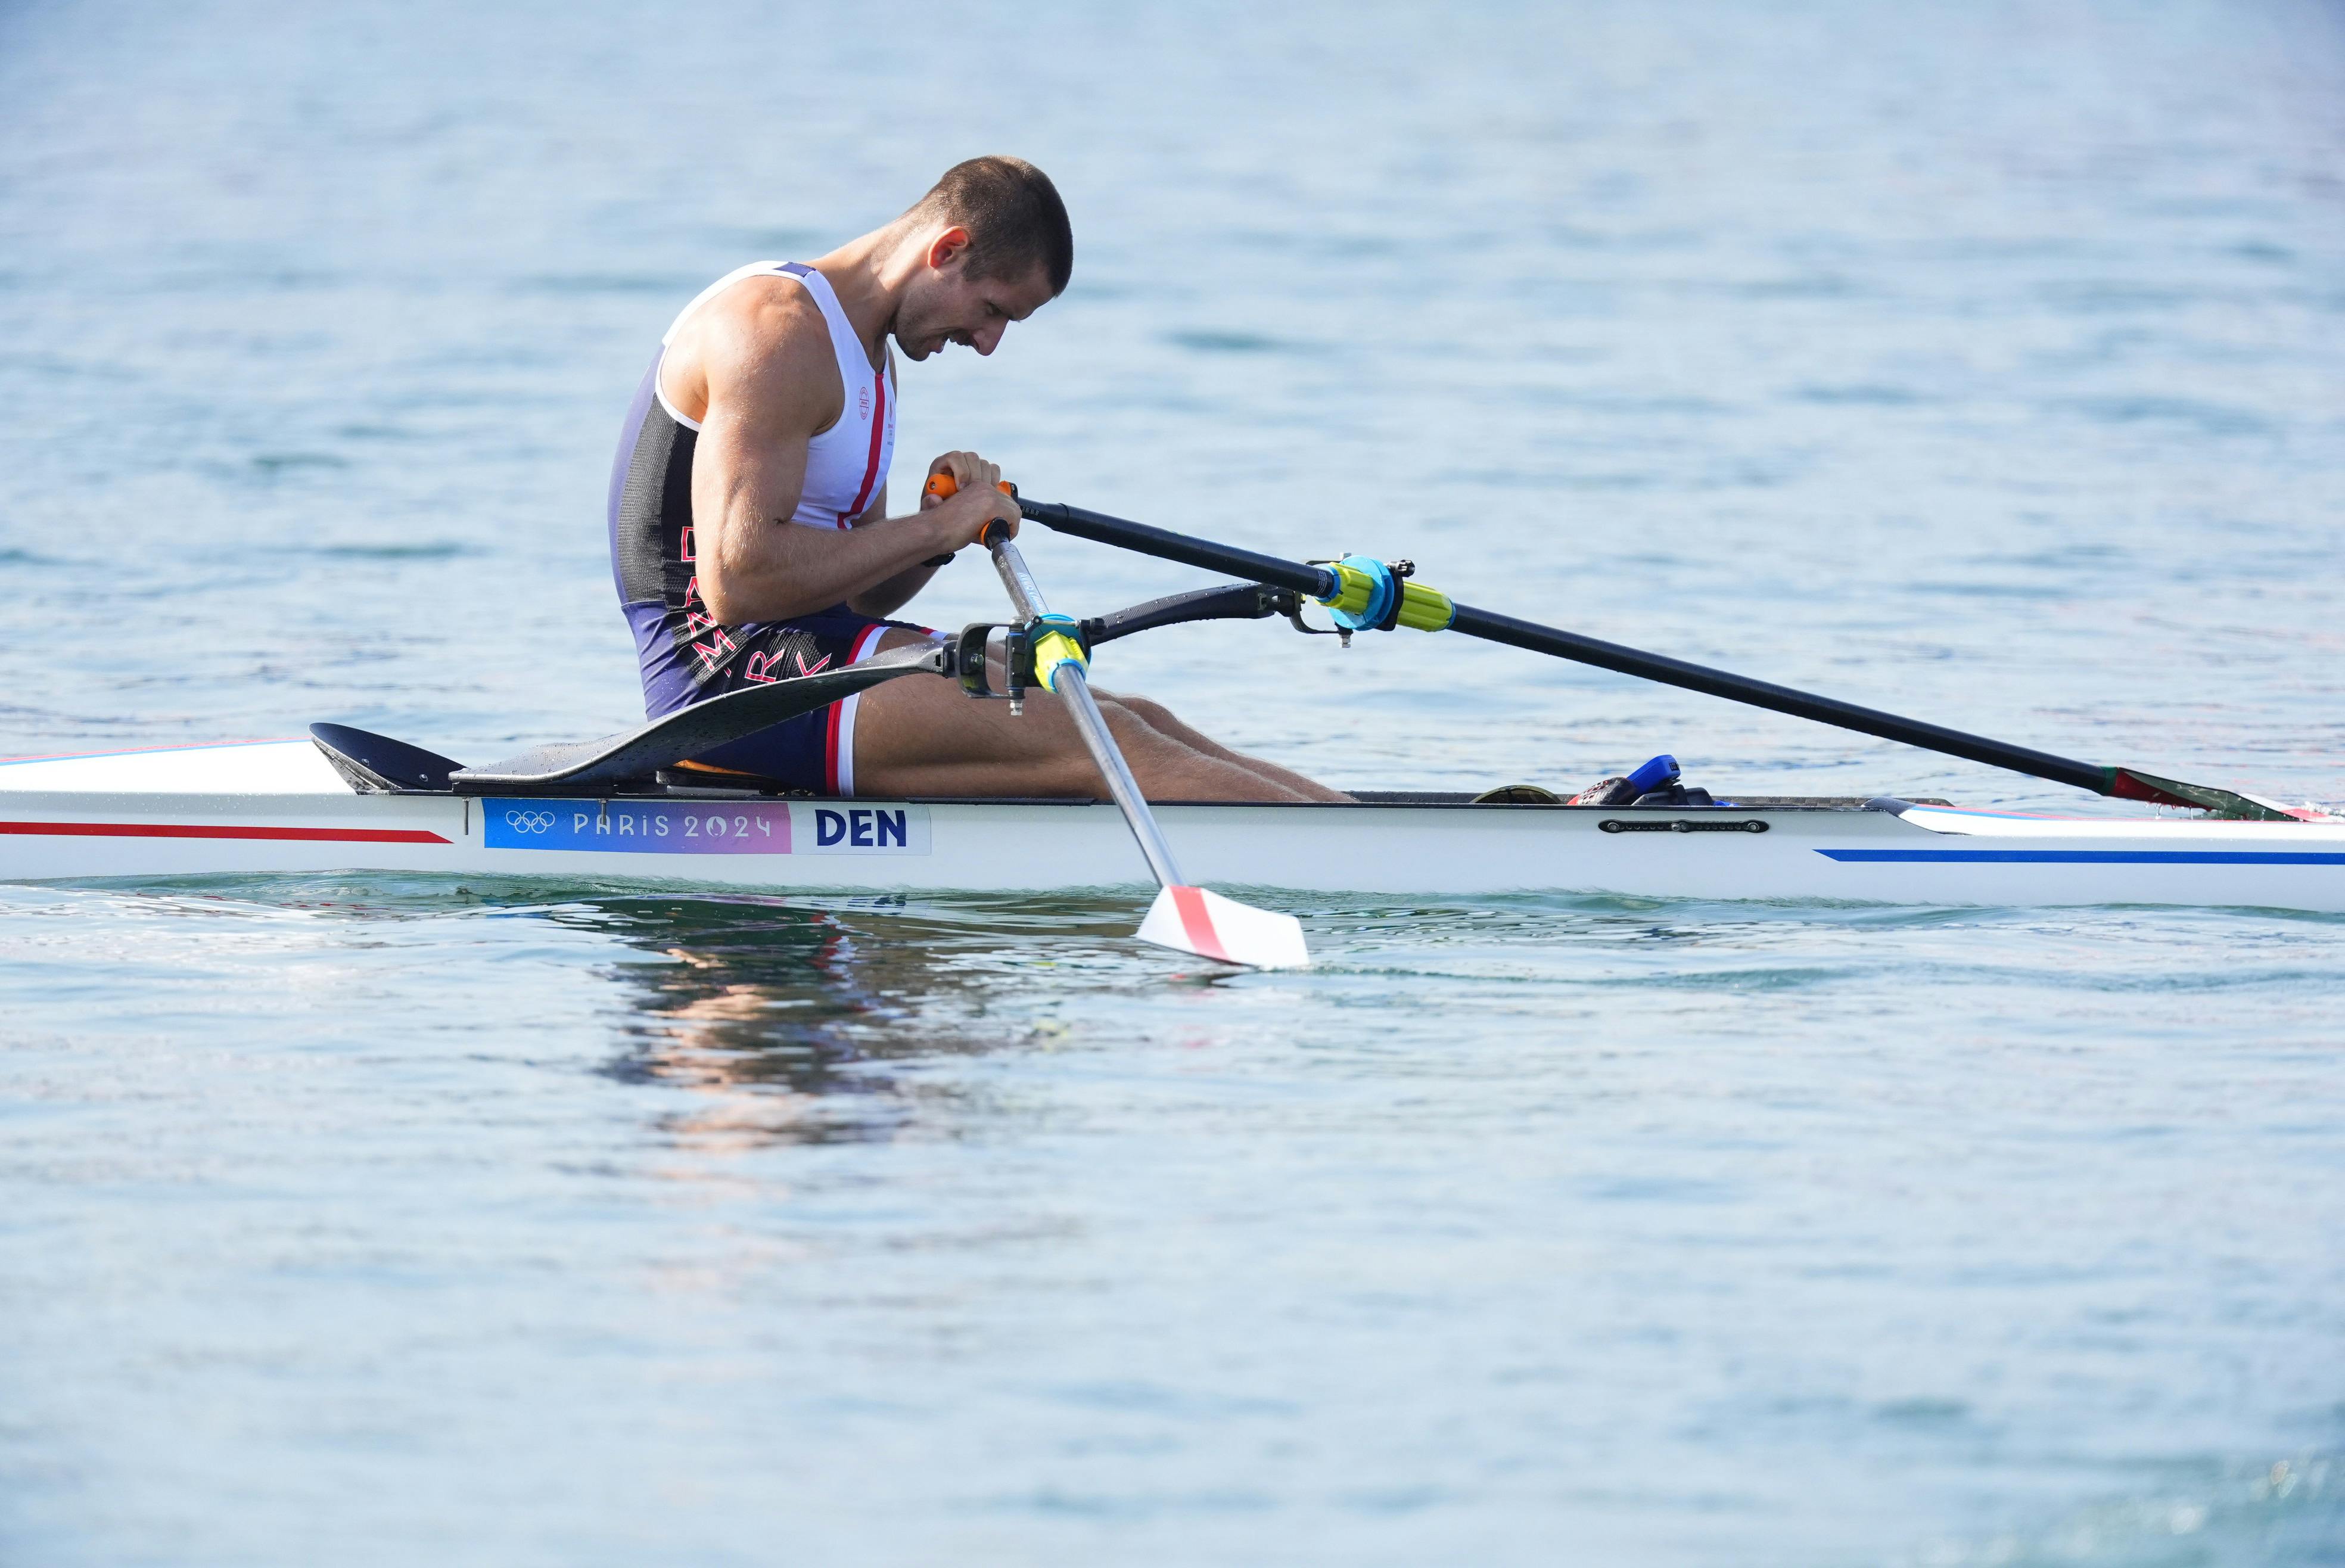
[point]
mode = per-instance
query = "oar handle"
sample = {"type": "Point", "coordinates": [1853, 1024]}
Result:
{"type": "Point", "coordinates": [942, 485]}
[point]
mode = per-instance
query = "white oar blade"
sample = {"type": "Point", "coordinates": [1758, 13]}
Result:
{"type": "Point", "coordinates": [1212, 926]}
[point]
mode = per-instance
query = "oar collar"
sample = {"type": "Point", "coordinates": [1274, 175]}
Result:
{"type": "Point", "coordinates": [1058, 643]}
{"type": "Point", "coordinates": [1376, 596]}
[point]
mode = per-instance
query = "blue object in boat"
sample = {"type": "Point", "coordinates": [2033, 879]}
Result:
{"type": "Point", "coordinates": [1658, 773]}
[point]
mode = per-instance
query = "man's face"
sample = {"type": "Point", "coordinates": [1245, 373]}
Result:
{"type": "Point", "coordinates": [945, 305]}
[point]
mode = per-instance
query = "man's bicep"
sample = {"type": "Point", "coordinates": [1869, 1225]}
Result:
{"type": "Point", "coordinates": [748, 470]}
{"type": "Point", "coordinates": [744, 474]}
{"type": "Point", "coordinates": [750, 462]}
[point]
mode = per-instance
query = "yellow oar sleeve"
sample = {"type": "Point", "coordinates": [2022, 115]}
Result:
{"type": "Point", "coordinates": [1056, 644]}
{"type": "Point", "coordinates": [1365, 602]}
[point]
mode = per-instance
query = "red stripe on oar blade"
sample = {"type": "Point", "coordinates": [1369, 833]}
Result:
{"type": "Point", "coordinates": [1198, 920]}
{"type": "Point", "coordinates": [1197, 923]}
{"type": "Point", "coordinates": [2126, 786]}
{"type": "Point", "coordinates": [207, 830]}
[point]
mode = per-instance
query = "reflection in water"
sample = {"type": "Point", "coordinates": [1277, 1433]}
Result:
{"type": "Point", "coordinates": [801, 1022]}
{"type": "Point", "coordinates": [795, 1022]}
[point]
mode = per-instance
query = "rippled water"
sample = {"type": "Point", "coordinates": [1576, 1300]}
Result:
{"type": "Point", "coordinates": [1983, 363]}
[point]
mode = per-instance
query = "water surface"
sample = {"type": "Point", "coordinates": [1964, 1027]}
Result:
{"type": "Point", "coordinates": [1983, 363]}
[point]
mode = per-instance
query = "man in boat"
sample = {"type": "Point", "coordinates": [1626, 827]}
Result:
{"type": "Point", "coordinates": [750, 533]}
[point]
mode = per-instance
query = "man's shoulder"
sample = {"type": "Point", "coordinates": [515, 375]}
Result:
{"type": "Point", "coordinates": [764, 339]}
{"type": "Point", "coordinates": [767, 315]}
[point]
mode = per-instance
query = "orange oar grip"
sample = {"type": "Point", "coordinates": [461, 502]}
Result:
{"type": "Point", "coordinates": [941, 485]}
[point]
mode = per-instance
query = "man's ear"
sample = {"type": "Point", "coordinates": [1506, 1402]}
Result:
{"type": "Point", "coordinates": [945, 247]}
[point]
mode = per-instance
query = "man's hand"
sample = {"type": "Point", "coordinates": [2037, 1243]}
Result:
{"type": "Point", "coordinates": [962, 516]}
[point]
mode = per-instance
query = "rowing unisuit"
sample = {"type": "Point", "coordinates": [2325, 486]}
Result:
{"type": "Point", "coordinates": [684, 655]}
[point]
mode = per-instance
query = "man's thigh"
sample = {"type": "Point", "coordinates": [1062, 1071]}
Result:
{"type": "Point", "coordinates": [804, 753]}
{"type": "Point", "coordinates": [925, 732]}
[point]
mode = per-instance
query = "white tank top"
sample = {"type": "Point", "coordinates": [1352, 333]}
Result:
{"type": "Point", "coordinates": [845, 464]}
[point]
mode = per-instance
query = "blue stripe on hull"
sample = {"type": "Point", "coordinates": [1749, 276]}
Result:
{"type": "Point", "coordinates": [2100, 856]}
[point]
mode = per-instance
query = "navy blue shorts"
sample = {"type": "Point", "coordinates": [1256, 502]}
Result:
{"type": "Point", "coordinates": [814, 753]}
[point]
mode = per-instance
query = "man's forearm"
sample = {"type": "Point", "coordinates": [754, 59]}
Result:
{"type": "Point", "coordinates": [884, 599]}
{"type": "Point", "coordinates": [781, 569]}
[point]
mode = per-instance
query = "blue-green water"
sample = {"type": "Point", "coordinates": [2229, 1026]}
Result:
{"type": "Point", "coordinates": [1979, 361]}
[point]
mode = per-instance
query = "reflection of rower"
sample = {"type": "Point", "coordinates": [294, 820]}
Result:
{"type": "Point", "coordinates": [780, 1014]}
{"type": "Point", "coordinates": [748, 512]}
{"type": "Point", "coordinates": [754, 994]}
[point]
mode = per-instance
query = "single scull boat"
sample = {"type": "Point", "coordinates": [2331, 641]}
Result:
{"type": "Point", "coordinates": [601, 811]}
{"type": "Point", "coordinates": [286, 806]}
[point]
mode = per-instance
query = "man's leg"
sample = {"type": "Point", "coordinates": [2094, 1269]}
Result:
{"type": "Point", "coordinates": [925, 737]}
{"type": "Point", "coordinates": [1159, 717]}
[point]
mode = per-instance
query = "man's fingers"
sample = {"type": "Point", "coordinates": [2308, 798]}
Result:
{"type": "Point", "coordinates": [968, 470]}
{"type": "Point", "coordinates": [976, 484]}
{"type": "Point", "coordinates": [1006, 512]}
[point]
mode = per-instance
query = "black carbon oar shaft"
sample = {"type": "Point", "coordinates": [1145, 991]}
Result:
{"type": "Point", "coordinates": [1315, 581]}
{"type": "Point", "coordinates": [1321, 583]}
{"type": "Point", "coordinates": [1538, 639]}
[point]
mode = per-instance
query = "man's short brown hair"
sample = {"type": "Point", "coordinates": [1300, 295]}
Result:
{"type": "Point", "coordinates": [1015, 219]}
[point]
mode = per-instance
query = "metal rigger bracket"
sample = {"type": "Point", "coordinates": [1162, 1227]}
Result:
{"type": "Point", "coordinates": [1029, 655]}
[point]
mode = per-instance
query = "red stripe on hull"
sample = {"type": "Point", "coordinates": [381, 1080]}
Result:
{"type": "Point", "coordinates": [143, 750]}
{"type": "Point", "coordinates": [195, 830]}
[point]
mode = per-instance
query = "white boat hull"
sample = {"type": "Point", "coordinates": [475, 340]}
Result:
{"type": "Point", "coordinates": [280, 807]}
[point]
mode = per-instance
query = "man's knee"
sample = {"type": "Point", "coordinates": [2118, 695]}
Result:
{"type": "Point", "coordinates": [1139, 711]}
{"type": "Point", "coordinates": [1156, 715]}
{"type": "Point", "coordinates": [1130, 726]}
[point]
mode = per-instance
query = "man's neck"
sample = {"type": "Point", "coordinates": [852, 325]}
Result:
{"type": "Point", "coordinates": [869, 275]}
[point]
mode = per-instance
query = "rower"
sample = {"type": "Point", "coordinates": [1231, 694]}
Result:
{"type": "Point", "coordinates": [750, 536]}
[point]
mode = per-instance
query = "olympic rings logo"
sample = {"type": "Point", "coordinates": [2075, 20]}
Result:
{"type": "Point", "coordinates": [529, 821]}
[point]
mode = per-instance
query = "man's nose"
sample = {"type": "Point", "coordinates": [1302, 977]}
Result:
{"type": "Point", "coordinates": [988, 339]}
